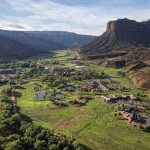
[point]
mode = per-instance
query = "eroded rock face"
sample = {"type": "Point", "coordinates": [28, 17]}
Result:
{"type": "Point", "coordinates": [141, 78]}
{"type": "Point", "coordinates": [128, 25]}
{"type": "Point", "coordinates": [122, 34]}
{"type": "Point", "coordinates": [139, 55]}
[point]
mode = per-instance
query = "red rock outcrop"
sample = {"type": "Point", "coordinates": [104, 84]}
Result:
{"type": "Point", "coordinates": [122, 34]}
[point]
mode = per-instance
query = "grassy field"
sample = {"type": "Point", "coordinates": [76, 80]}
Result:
{"type": "Point", "coordinates": [93, 124]}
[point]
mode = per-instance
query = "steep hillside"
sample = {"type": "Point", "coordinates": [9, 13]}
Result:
{"type": "Point", "coordinates": [140, 77]}
{"type": "Point", "coordinates": [125, 44]}
{"type": "Point", "coordinates": [10, 49]}
{"type": "Point", "coordinates": [41, 43]}
{"type": "Point", "coordinates": [18, 44]}
{"type": "Point", "coordinates": [122, 34]}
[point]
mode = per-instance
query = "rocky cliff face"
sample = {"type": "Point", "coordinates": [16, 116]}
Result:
{"type": "Point", "coordinates": [125, 44]}
{"type": "Point", "coordinates": [122, 34]}
{"type": "Point", "coordinates": [128, 25]}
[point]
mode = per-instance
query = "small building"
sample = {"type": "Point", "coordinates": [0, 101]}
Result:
{"type": "Point", "coordinates": [9, 71]}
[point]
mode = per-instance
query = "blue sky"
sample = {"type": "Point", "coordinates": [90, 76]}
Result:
{"type": "Point", "coordinates": [80, 16]}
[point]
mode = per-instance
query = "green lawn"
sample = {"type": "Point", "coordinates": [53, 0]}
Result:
{"type": "Point", "coordinates": [93, 124]}
{"type": "Point", "coordinates": [62, 55]}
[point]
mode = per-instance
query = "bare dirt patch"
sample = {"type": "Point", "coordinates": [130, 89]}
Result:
{"type": "Point", "coordinates": [75, 119]}
{"type": "Point", "coordinates": [141, 78]}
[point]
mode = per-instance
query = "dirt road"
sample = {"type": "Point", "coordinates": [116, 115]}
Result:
{"type": "Point", "coordinates": [13, 98]}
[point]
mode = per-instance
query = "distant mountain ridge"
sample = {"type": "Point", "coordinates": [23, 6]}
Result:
{"type": "Point", "coordinates": [121, 34]}
{"type": "Point", "coordinates": [32, 40]}
{"type": "Point", "coordinates": [64, 37]}
{"type": "Point", "coordinates": [11, 49]}
{"type": "Point", "coordinates": [18, 44]}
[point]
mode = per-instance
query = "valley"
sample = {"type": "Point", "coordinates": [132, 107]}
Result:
{"type": "Point", "coordinates": [62, 92]}
{"type": "Point", "coordinates": [21, 44]}
{"type": "Point", "coordinates": [124, 44]}
{"type": "Point", "coordinates": [75, 75]}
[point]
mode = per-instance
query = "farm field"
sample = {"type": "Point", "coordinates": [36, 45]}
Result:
{"type": "Point", "coordinates": [92, 122]}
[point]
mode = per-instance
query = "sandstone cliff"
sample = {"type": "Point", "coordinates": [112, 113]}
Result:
{"type": "Point", "coordinates": [122, 34]}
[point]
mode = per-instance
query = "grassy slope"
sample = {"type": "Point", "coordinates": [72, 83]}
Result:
{"type": "Point", "coordinates": [93, 124]}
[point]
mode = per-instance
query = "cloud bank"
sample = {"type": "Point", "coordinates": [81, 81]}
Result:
{"type": "Point", "coordinates": [54, 15]}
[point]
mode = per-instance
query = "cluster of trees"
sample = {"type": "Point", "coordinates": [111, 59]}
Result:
{"type": "Point", "coordinates": [54, 80]}
{"type": "Point", "coordinates": [25, 69]}
{"type": "Point", "coordinates": [121, 73]}
{"type": "Point", "coordinates": [17, 132]}
{"type": "Point", "coordinates": [6, 90]}
{"type": "Point", "coordinates": [19, 64]}
{"type": "Point", "coordinates": [88, 74]}
{"type": "Point", "coordinates": [63, 77]}
{"type": "Point", "coordinates": [114, 85]}
{"type": "Point", "coordinates": [35, 72]}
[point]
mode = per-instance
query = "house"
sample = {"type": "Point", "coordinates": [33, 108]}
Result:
{"type": "Point", "coordinates": [8, 71]}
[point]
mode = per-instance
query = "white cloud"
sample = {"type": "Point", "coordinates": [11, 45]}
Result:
{"type": "Point", "coordinates": [66, 17]}
{"type": "Point", "coordinates": [49, 15]}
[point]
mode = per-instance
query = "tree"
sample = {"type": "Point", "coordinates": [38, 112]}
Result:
{"type": "Point", "coordinates": [40, 145]}
{"type": "Point", "coordinates": [14, 145]}
{"type": "Point", "coordinates": [6, 91]}
{"type": "Point", "coordinates": [53, 147]}
{"type": "Point", "coordinates": [44, 96]}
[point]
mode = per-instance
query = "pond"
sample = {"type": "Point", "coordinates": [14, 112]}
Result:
{"type": "Point", "coordinates": [42, 95]}
{"type": "Point", "coordinates": [45, 95]}
{"type": "Point", "coordinates": [77, 67]}
{"type": "Point", "coordinates": [59, 96]}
